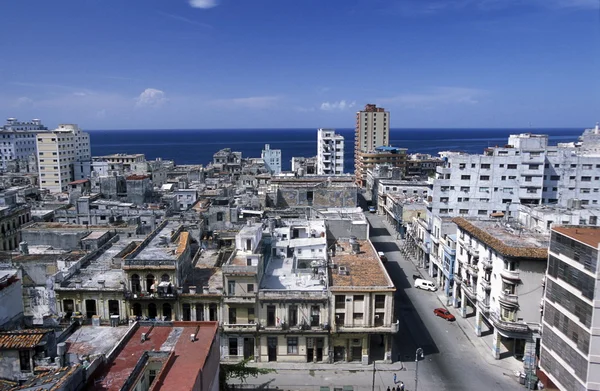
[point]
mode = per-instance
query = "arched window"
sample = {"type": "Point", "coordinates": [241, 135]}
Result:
{"type": "Point", "coordinates": [150, 283]}
{"type": "Point", "coordinates": [136, 287]}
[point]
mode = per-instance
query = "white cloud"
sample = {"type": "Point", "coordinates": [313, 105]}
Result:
{"type": "Point", "coordinates": [251, 102]}
{"type": "Point", "coordinates": [203, 3]}
{"type": "Point", "coordinates": [151, 97]}
{"type": "Point", "coordinates": [341, 105]}
{"type": "Point", "coordinates": [23, 101]}
{"type": "Point", "coordinates": [435, 96]}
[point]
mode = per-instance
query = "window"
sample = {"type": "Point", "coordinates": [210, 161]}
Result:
{"type": "Point", "coordinates": [484, 189]}
{"type": "Point", "coordinates": [528, 179]}
{"type": "Point", "coordinates": [357, 316]}
{"type": "Point", "coordinates": [233, 346]}
{"type": "Point", "coordinates": [250, 288]}
{"type": "Point", "coordinates": [292, 345]}
{"type": "Point", "coordinates": [24, 360]}
{"type": "Point", "coordinates": [232, 316]}
{"type": "Point", "coordinates": [219, 216]}
{"type": "Point", "coordinates": [555, 177]}
{"type": "Point", "coordinates": [484, 177]}
{"type": "Point", "coordinates": [463, 211]}
{"type": "Point", "coordinates": [231, 287]}
{"type": "Point", "coordinates": [340, 301]}
{"type": "Point", "coordinates": [511, 166]}
{"type": "Point", "coordinates": [534, 166]}
{"type": "Point", "coordinates": [586, 178]}
{"type": "Point", "coordinates": [465, 177]}
{"type": "Point", "coordinates": [482, 212]}
{"type": "Point", "coordinates": [379, 301]}
{"type": "Point", "coordinates": [485, 166]}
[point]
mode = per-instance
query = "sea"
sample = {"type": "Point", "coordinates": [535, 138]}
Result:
{"type": "Point", "coordinates": [190, 146]}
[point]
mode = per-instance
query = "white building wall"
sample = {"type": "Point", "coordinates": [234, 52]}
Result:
{"type": "Point", "coordinates": [272, 159]}
{"type": "Point", "coordinates": [330, 152]}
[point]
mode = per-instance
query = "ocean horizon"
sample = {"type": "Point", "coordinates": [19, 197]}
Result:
{"type": "Point", "coordinates": [196, 146]}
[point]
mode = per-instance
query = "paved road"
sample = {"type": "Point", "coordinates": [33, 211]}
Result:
{"type": "Point", "coordinates": [451, 361]}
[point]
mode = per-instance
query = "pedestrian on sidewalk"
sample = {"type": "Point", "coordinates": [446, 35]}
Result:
{"type": "Point", "coordinates": [401, 388]}
{"type": "Point", "coordinates": [395, 382]}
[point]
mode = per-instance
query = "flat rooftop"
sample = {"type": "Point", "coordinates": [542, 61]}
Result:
{"type": "Point", "coordinates": [188, 357]}
{"type": "Point", "coordinates": [583, 234]}
{"type": "Point", "coordinates": [154, 250]}
{"type": "Point", "coordinates": [99, 273]}
{"type": "Point", "coordinates": [93, 341]}
{"type": "Point", "coordinates": [364, 269]}
{"type": "Point", "coordinates": [283, 274]}
{"type": "Point", "coordinates": [506, 240]}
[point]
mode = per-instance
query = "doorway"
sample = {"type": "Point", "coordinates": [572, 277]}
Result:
{"type": "Point", "coordinates": [90, 308]}
{"type": "Point", "coordinates": [152, 311]}
{"type": "Point", "coordinates": [272, 348]}
{"type": "Point", "coordinates": [320, 345]}
{"type": "Point", "coordinates": [248, 348]}
{"type": "Point", "coordinates": [339, 353]}
{"type": "Point", "coordinates": [167, 311]}
{"type": "Point", "coordinates": [113, 307]}
{"type": "Point", "coordinates": [68, 308]}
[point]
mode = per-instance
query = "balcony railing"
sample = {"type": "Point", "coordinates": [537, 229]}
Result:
{"type": "Point", "coordinates": [508, 299]}
{"type": "Point", "coordinates": [151, 295]}
{"type": "Point", "coordinates": [458, 279]}
{"type": "Point", "coordinates": [510, 274]}
{"type": "Point", "coordinates": [470, 291]}
{"type": "Point", "coordinates": [485, 284]}
{"type": "Point", "coordinates": [508, 325]}
{"type": "Point", "coordinates": [240, 326]}
{"type": "Point", "coordinates": [486, 264]}
{"type": "Point", "coordinates": [473, 269]}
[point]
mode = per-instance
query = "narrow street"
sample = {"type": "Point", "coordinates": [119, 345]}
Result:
{"type": "Point", "coordinates": [452, 361]}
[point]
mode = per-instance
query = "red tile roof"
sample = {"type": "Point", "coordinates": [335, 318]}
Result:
{"type": "Point", "coordinates": [136, 177]}
{"type": "Point", "coordinates": [21, 339]}
{"type": "Point", "coordinates": [79, 181]}
{"type": "Point", "coordinates": [182, 369]}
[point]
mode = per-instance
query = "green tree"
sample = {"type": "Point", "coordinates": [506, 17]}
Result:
{"type": "Point", "coordinates": [240, 371]}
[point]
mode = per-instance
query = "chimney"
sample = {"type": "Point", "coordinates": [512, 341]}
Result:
{"type": "Point", "coordinates": [205, 290]}
{"type": "Point", "coordinates": [192, 290]}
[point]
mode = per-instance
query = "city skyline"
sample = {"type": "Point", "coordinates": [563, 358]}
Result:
{"type": "Point", "coordinates": [267, 64]}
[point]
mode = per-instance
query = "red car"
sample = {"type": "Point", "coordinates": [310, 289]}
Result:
{"type": "Point", "coordinates": [444, 313]}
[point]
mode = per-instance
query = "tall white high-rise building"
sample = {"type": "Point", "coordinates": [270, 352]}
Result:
{"type": "Point", "coordinates": [330, 152]}
{"type": "Point", "coordinates": [63, 156]}
{"type": "Point", "coordinates": [272, 159]}
{"type": "Point", "coordinates": [17, 140]}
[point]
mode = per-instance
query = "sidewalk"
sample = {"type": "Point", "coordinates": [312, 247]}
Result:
{"type": "Point", "coordinates": [483, 344]}
{"type": "Point", "coordinates": [341, 366]}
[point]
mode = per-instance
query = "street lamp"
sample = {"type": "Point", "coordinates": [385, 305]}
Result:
{"type": "Point", "coordinates": [418, 353]}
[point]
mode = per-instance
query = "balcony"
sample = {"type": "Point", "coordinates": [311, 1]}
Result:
{"type": "Point", "coordinates": [484, 305]}
{"type": "Point", "coordinates": [485, 284]}
{"type": "Point", "coordinates": [241, 299]}
{"type": "Point", "coordinates": [240, 327]}
{"type": "Point", "coordinates": [473, 269]}
{"type": "Point", "coordinates": [510, 275]}
{"type": "Point", "coordinates": [458, 279]}
{"type": "Point", "coordinates": [129, 295]}
{"type": "Point", "coordinates": [486, 264]}
{"type": "Point", "coordinates": [508, 325]}
{"type": "Point", "coordinates": [469, 291]}
{"type": "Point", "coordinates": [473, 250]}
{"type": "Point", "coordinates": [508, 300]}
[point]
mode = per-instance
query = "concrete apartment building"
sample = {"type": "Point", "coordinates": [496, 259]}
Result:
{"type": "Point", "coordinates": [18, 141]}
{"type": "Point", "coordinates": [525, 172]}
{"type": "Point", "coordinates": [272, 159]}
{"type": "Point", "coordinates": [372, 131]}
{"type": "Point", "coordinates": [569, 345]}
{"type": "Point", "coordinates": [12, 216]}
{"type": "Point", "coordinates": [498, 274]}
{"type": "Point", "coordinates": [63, 157]}
{"type": "Point", "coordinates": [330, 152]}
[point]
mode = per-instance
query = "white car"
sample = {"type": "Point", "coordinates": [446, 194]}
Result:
{"type": "Point", "coordinates": [425, 285]}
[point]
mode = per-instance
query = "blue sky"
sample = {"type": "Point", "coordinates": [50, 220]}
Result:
{"type": "Point", "coordinates": [121, 64]}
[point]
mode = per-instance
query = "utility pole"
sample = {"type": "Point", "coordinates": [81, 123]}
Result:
{"type": "Point", "coordinates": [417, 354]}
{"type": "Point", "coordinates": [373, 384]}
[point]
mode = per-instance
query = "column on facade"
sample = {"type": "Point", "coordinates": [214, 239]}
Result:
{"type": "Point", "coordinates": [388, 348]}
{"type": "Point", "coordinates": [455, 293]}
{"type": "Point", "coordinates": [463, 304]}
{"type": "Point", "coordinates": [192, 311]}
{"type": "Point", "coordinates": [496, 344]}
{"type": "Point", "coordinates": [478, 321]}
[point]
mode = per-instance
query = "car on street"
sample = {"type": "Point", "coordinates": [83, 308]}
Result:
{"type": "Point", "coordinates": [444, 314]}
{"type": "Point", "coordinates": [382, 256]}
{"type": "Point", "coordinates": [425, 285]}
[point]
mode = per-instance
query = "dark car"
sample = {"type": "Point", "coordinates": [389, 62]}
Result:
{"type": "Point", "coordinates": [444, 313]}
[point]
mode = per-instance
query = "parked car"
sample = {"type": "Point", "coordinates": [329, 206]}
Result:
{"type": "Point", "coordinates": [382, 256]}
{"type": "Point", "coordinates": [444, 314]}
{"type": "Point", "coordinates": [424, 284]}
{"type": "Point", "coordinates": [372, 209]}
